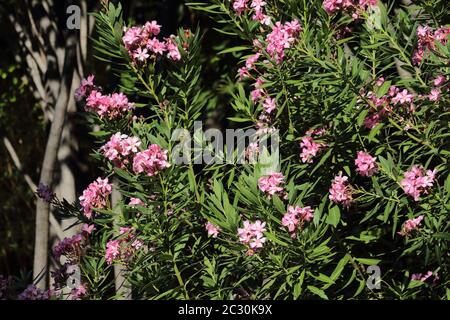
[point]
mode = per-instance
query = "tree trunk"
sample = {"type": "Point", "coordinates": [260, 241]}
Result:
{"type": "Point", "coordinates": [40, 265]}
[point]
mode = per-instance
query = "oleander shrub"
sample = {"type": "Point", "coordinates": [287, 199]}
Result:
{"type": "Point", "coordinates": [358, 93]}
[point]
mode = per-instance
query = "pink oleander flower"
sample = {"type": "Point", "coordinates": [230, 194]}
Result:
{"type": "Point", "coordinates": [281, 38]}
{"type": "Point", "coordinates": [365, 164]}
{"type": "Point", "coordinates": [257, 242]}
{"type": "Point", "coordinates": [87, 229]}
{"type": "Point", "coordinates": [136, 202]}
{"type": "Point", "coordinates": [172, 48]}
{"type": "Point", "coordinates": [152, 28]}
{"type": "Point", "coordinates": [141, 54]}
{"type": "Point", "coordinates": [257, 4]}
{"type": "Point", "coordinates": [379, 82]}
{"type": "Point", "coordinates": [79, 292]}
{"type": "Point", "coordinates": [371, 121]}
{"type": "Point", "coordinates": [156, 46]}
{"type": "Point", "coordinates": [252, 234]}
{"type": "Point", "coordinates": [410, 225]}
{"type": "Point", "coordinates": [316, 132]}
{"type": "Point", "coordinates": [350, 6]}
{"type": "Point", "coordinates": [403, 97]}
{"type": "Point", "coordinates": [417, 182]}
{"type": "Point", "coordinates": [243, 73]}
{"type": "Point", "coordinates": [426, 41]}
{"type": "Point", "coordinates": [111, 106]}
{"type": "Point", "coordinates": [94, 197]}
{"type": "Point", "coordinates": [341, 191]}
{"type": "Point", "coordinates": [34, 293]}
{"type": "Point", "coordinates": [240, 6]}
{"type": "Point", "coordinates": [259, 83]}
{"type": "Point", "coordinates": [439, 81]}
{"type": "Point", "coordinates": [150, 161]}
{"type": "Point", "coordinates": [269, 105]}
{"type": "Point", "coordinates": [309, 149]}
{"type": "Point", "coordinates": [112, 251]}
{"type": "Point", "coordinates": [290, 220]}
{"type": "Point", "coordinates": [124, 248]}
{"type": "Point", "coordinates": [272, 184]}
{"type": "Point", "coordinates": [256, 94]}
{"type": "Point", "coordinates": [423, 277]}
{"type": "Point", "coordinates": [261, 17]}
{"type": "Point", "coordinates": [141, 41]}
{"type": "Point", "coordinates": [126, 230]}
{"type": "Point", "coordinates": [434, 95]}
{"type": "Point", "coordinates": [132, 37]}
{"type": "Point", "coordinates": [119, 147]}
{"type": "Point", "coordinates": [85, 88]}
{"type": "Point", "coordinates": [212, 229]}
{"type": "Point", "coordinates": [296, 216]}
{"type": "Point", "coordinates": [250, 62]}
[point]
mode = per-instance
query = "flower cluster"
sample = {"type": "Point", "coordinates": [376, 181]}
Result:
{"type": "Point", "coordinates": [34, 293]}
{"type": "Point", "coordinates": [426, 41]}
{"type": "Point", "coordinates": [423, 277]}
{"type": "Point", "coordinates": [212, 229]}
{"type": "Point", "coordinates": [150, 161]}
{"type": "Point", "coordinates": [417, 182]}
{"type": "Point", "coordinates": [87, 85]}
{"type": "Point", "coordinates": [70, 247]}
{"type": "Point", "coordinates": [252, 234]}
{"type": "Point", "coordinates": [111, 106]}
{"type": "Point", "coordinates": [309, 149]}
{"type": "Point", "coordinates": [272, 184]}
{"type": "Point", "coordinates": [119, 148]}
{"type": "Point", "coordinates": [141, 43]}
{"type": "Point", "coordinates": [438, 85]}
{"type": "Point", "coordinates": [341, 191]}
{"type": "Point", "coordinates": [365, 164]}
{"type": "Point", "coordinates": [296, 216]}
{"type": "Point", "coordinates": [45, 193]}
{"type": "Point", "coordinates": [352, 7]}
{"type": "Point", "coordinates": [257, 6]}
{"type": "Point", "coordinates": [78, 292]}
{"type": "Point", "coordinates": [381, 107]}
{"type": "Point", "coordinates": [95, 196]}
{"type": "Point", "coordinates": [124, 248]}
{"type": "Point", "coordinates": [136, 202]}
{"type": "Point", "coordinates": [282, 37]}
{"type": "Point", "coordinates": [410, 225]}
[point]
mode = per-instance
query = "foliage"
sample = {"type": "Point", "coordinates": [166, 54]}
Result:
{"type": "Point", "coordinates": [327, 86]}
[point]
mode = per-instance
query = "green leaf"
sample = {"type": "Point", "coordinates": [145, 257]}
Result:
{"type": "Point", "coordinates": [318, 292]}
{"type": "Point", "coordinates": [234, 49]}
{"type": "Point", "coordinates": [369, 262]}
{"type": "Point", "coordinates": [334, 216]}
